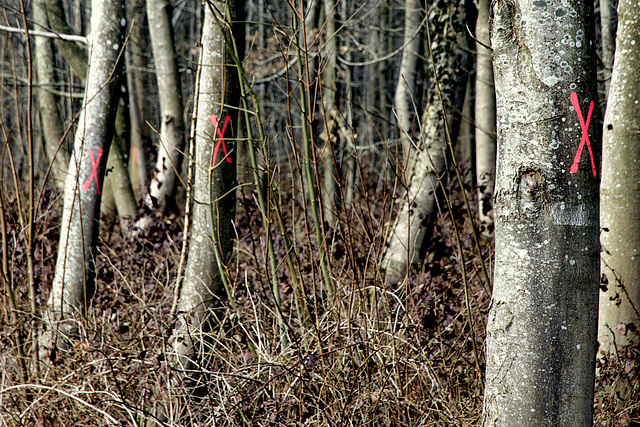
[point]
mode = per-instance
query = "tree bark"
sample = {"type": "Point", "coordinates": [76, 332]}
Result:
{"type": "Point", "coordinates": [485, 119]}
{"type": "Point", "coordinates": [620, 190]}
{"type": "Point", "coordinates": [541, 332]}
{"type": "Point", "coordinates": [608, 23]}
{"type": "Point", "coordinates": [48, 103]}
{"type": "Point", "coordinates": [405, 96]}
{"type": "Point", "coordinates": [428, 165]}
{"type": "Point", "coordinates": [214, 199]}
{"type": "Point", "coordinates": [138, 168]}
{"type": "Point", "coordinates": [73, 283]}
{"type": "Point", "coordinates": [171, 138]}
{"type": "Point", "coordinates": [330, 113]}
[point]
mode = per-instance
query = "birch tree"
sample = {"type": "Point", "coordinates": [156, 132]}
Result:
{"type": "Point", "coordinates": [73, 283]}
{"type": "Point", "coordinates": [541, 331]}
{"type": "Point", "coordinates": [428, 163]}
{"type": "Point", "coordinates": [620, 191]}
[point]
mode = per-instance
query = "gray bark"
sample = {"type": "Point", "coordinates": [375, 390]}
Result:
{"type": "Point", "coordinates": [138, 169]}
{"type": "Point", "coordinates": [48, 103]}
{"type": "Point", "coordinates": [608, 23]}
{"type": "Point", "coordinates": [620, 189]}
{"type": "Point", "coordinates": [171, 138]}
{"type": "Point", "coordinates": [541, 331]}
{"type": "Point", "coordinates": [330, 112]}
{"type": "Point", "coordinates": [74, 275]}
{"type": "Point", "coordinates": [428, 163]}
{"type": "Point", "coordinates": [74, 53]}
{"type": "Point", "coordinates": [214, 199]}
{"type": "Point", "coordinates": [405, 95]}
{"type": "Point", "coordinates": [485, 119]}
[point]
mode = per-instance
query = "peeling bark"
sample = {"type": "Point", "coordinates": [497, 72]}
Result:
{"type": "Point", "coordinates": [541, 331]}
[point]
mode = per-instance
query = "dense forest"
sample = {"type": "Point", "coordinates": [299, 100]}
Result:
{"type": "Point", "coordinates": [319, 212]}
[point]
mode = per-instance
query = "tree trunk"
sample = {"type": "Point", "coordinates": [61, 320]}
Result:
{"type": "Point", "coordinates": [417, 206]}
{"type": "Point", "coordinates": [138, 168]}
{"type": "Point", "coordinates": [541, 332]}
{"type": "Point", "coordinates": [171, 138]}
{"type": "Point", "coordinates": [48, 103]}
{"type": "Point", "coordinates": [485, 119]}
{"type": "Point", "coordinates": [214, 199]}
{"type": "Point", "coordinates": [620, 190]}
{"type": "Point", "coordinates": [405, 96]}
{"type": "Point", "coordinates": [330, 87]}
{"type": "Point", "coordinates": [73, 283]}
{"type": "Point", "coordinates": [608, 23]}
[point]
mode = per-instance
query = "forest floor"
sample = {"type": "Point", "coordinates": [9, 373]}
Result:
{"type": "Point", "coordinates": [374, 355]}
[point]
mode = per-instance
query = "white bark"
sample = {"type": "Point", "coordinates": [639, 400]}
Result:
{"type": "Point", "coordinates": [171, 138]}
{"type": "Point", "coordinates": [74, 275]}
{"type": "Point", "coordinates": [620, 188]}
{"type": "Point", "coordinates": [541, 331]}
{"type": "Point", "coordinates": [485, 119]}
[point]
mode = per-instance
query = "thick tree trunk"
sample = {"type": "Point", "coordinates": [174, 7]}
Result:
{"type": "Point", "coordinates": [541, 332]}
{"type": "Point", "coordinates": [74, 276]}
{"type": "Point", "coordinates": [620, 191]}
{"type": "Point", "coordinates": [485, 119]}
{"type": "Point", "coordinates": [214, 199]}
{"type": "Point", "coordinates": [48, 103]}
{"type": "Point", "coordinates": [405, 96]}
{"type": "Point", "coordinates": [171, 138]}
{"type": "Point", "coordinates": [428, 163]}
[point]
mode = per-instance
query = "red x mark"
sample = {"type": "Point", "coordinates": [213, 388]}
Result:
{"type": "Point", "coordinates": [94, 173]}
{"type": "Point", "coordinates": [585, 134]}
{"type": "Point", "coordinates": [214, 120]}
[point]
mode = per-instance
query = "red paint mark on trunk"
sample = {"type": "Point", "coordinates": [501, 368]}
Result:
{"type": "Point", "coordinates": [585, 134]}
{"type": "Point", "coordinates": [94, 172]}
{"type": "Point", "coordinates": [220, 132]}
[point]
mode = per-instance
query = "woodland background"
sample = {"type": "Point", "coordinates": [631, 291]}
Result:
{"type": "Point", "coordinates": [343, 336]}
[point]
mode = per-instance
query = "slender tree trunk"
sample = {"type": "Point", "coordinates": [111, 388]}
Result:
{"type": "Point", "coordinates": [428, 165]}
{"type": "Point", "coordinates": [609, 23]}
{"type": "Point", "coordinates": [620, 191]}
{"type": "Point", "coordinates": [74, 276]}
{"type": "Point", "coordinates": [48, 103]}
{"type": "Point", "coordinates": [212, 232]}
{"type": "Point", "coordinates": [171, 138]}
{"type": "Point", "coordinates": [78, 60]}
{"type": "Point", "coordinates": [541, 332]}
{"type": "Point", "coordinates": [330, 112]}
{"type": "Point", "coordinates": [485, 119]}
{"type": "Point", "coordinates": [405, 96]}
{"type": "Point", "coordinates": [138, 169]}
